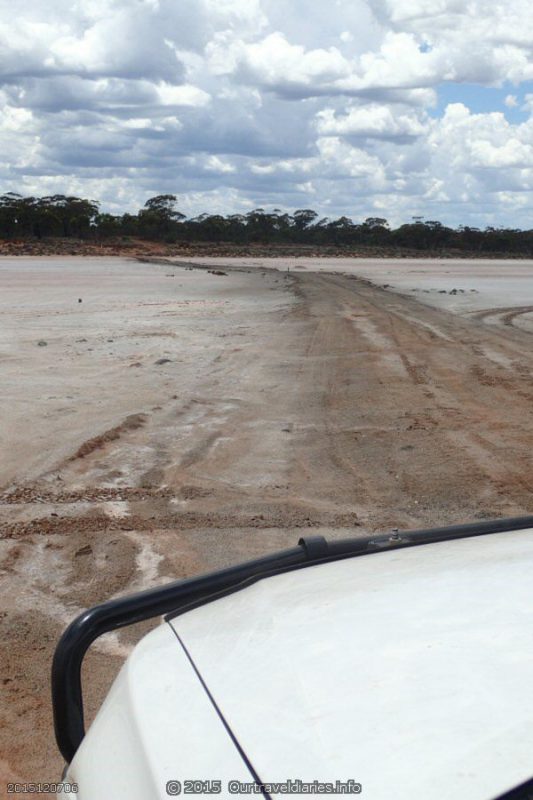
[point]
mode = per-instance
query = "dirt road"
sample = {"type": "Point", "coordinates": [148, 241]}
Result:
{"type": "Point", "coordinates": [335, 406]}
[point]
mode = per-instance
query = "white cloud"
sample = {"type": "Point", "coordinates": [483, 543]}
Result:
{"type": "Point", "coordinates": [343, 160]}
{"type": "Point", "coordinates": [290, 166]}
{"type": "Point", "coordinates": [16, 119]}
{"type": "Point", "coordinates": [236, 103]}
{"type": "Point", "coordinates": [218, 165]}
{"type": "Point", "coordinates": [245, 16]}
{"type": "Point", "coordinates": [275, 63]}
{"type": "Point", "coordinates": [478, 141]}
{"type": "Point", "coordinates": [373, 121]}
{"type": "Point", "coordinates": [185, 95]}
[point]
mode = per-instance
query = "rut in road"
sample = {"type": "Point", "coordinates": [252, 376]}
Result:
{"type": "Point", "coordinates": [419, 417]}
{"type": "Point", "coordinates": [358, 408]}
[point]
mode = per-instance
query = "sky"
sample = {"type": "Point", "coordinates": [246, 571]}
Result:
{"type": "Point", "coordinates": [389, 108]}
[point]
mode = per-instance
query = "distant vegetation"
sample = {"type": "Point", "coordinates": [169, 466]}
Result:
{"type": "Point", "coordinates": [159, 220]}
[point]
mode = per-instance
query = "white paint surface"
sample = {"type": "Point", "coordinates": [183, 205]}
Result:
{"type": "Point", "coordinates": [156, 725]}
{"type": "Point", "coordinates": [410, 672]}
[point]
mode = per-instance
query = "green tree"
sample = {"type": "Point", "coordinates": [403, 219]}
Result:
{"type": "Point", "coordinates": [159, 218]}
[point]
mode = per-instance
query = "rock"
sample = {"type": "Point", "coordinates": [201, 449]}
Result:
{"type": "Point", "coordinates": [80, 300]}
{"type": "Point", "coordinates": [84, 551]}
{"type": "Point", "coordinates": [163, 361]}
{"type": "Point", "coordinates": [42, 343]}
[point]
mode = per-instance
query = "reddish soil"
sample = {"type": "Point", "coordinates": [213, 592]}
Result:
{"type": "Point", "coordinates": [139, 248]}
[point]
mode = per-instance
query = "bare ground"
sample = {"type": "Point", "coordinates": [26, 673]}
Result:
{"type": "Point", "coordinates": [343, 409]}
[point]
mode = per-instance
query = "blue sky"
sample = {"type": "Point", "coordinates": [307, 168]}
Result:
{"type": "Point", "coordinates": [355, 107]}
{"type": "Point", "coordinates": [484, 99]}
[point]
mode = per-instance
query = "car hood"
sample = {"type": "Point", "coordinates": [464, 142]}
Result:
{"type": "Point", "coordinates": [408, 671]}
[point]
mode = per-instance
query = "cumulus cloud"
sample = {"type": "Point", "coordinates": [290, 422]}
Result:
{"type": "Point", "coordinates": [483, 142]}
{"type": "Point", "coordinates": [372, 121]}
{"type": "Point", "coordinates": [275, 63]}
{"type": "Point", "coordinates": [235, 103]}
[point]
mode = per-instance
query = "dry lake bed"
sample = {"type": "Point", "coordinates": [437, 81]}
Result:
{"type": "Point", "coordinates": [162, 419]}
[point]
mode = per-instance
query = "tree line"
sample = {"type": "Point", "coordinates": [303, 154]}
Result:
{"type": "Point", "coordinates": [160, 220]}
